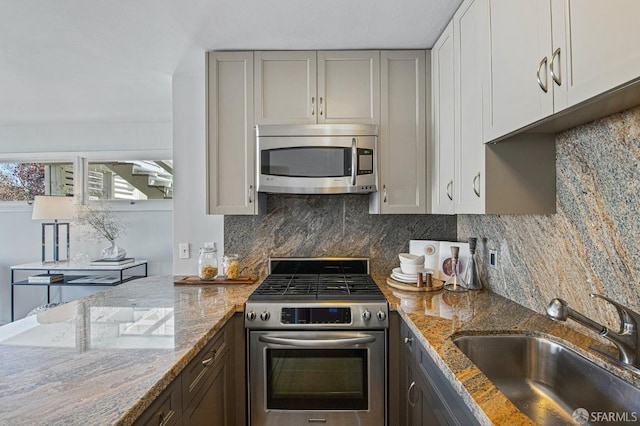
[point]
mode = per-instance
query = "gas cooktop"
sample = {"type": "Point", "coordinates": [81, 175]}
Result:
{"type": "Point", "coordinates": [307, 279]}
{"type": "Point", "coordinates": [317, 293]}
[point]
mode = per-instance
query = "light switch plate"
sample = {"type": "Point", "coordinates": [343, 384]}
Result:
{"type": "Point", "coordinates": [184, 250]}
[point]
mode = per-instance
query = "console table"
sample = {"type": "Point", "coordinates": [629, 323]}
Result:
{"type": "Point", "coordinates": [77, 275]}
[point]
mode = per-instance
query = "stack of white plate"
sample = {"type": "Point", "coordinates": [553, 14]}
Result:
{"type": "Point", "coordinates": [400, 276]}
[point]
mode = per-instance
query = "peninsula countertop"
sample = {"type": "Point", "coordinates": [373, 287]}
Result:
{"type": "Point", "coordinates": [104, 358]}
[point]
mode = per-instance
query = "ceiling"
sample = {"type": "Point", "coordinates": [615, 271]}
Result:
{"type": "Point", "coordinates": [78, 61]}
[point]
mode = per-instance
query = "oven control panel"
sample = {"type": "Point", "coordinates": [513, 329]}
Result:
{"type": "Point", "coordinates": [281, 316]}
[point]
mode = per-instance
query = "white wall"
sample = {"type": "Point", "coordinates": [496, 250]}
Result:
{"type": "Point", "coordinates": [191, 224]}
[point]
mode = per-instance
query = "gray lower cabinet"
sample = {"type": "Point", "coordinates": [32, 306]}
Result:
{"type": "Point", "coordinates": [210, 390]}
{"type": "Point", "coordinates": [166, 410]}
{"type": "Point", "coordinates": [423, 395]}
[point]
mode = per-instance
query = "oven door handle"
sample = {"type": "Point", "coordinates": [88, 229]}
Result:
{"type": "Point", "coordinates": [319, 342]}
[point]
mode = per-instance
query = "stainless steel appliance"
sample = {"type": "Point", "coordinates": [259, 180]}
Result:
{"type": "Point", "coordinates": [317, 158]}
{"type": "Point", "coordinates": [317, 344]}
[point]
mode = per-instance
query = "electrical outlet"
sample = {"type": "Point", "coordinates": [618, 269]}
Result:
{"type": "Point", "coordinates": [184, 250]}
{"type": "Point", "coordinates": [493, 259]}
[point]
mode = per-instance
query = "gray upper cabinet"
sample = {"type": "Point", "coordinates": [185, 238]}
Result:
{"type": "Point", "coordinates": [285, 87]}
{"type": "Point", "coordinates": [230, 135]}
{"type": "Point", "coordinates": [547, 57]}
{"type": "Point", "coordinates": [293, 87]}
{"type": "Point", "coordinates": [402, 141]}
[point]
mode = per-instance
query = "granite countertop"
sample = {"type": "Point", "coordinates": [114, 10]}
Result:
{"type": "Point", "coordinates": [436, 317]}
{"type": "Point", "coordinates": [107, 356]}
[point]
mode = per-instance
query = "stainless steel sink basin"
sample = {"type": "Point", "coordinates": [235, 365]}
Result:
{"type": "Point", "coordinates": [548, 381]}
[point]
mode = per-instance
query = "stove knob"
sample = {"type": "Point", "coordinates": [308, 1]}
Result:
{"type": "Point", "coordinates": [265, 316]}
{"type": "Point", "coordinates": [251, 315]}
{"type": "Point", "coordinates": [366, 315]}
{"type": "Point", "coordinates": [381, 315]}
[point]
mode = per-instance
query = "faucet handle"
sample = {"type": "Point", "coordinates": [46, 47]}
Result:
{"type": "Point", "coordinates": [629, 319]}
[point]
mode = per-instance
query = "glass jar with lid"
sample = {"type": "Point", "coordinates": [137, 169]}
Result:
{"type": "Point", "coordinates": [230, 266]}
{"type": "Point", "coordinates": [208, 263]}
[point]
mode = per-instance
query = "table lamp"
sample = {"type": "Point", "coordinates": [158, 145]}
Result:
{"type": "Point", "coordinates": [50, 207]}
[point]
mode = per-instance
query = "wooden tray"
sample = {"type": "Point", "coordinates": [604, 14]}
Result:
{"type": "Point", "coordinates": [436, 285]}
{"type": "Point", "coordinates": [193, 280]}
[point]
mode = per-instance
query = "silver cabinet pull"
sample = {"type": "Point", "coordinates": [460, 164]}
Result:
{"type": "Point", "coordinates": [384, 193]}
{"type": "Point", "coordinates": [313, 105]}
{"type": "Point", "coordinates": [543, 86]}
{"type": "Point", "coordinates": [408, 340]}
{"type": "Point", "coordinates": [476, 184]}
{"type": "Point", "coordinates": [250, 193]}
{"type": "Point", "coordinates": [208, 361]}
{"type": "Point", "coordinates": [411, 403]}
{"type": "Point", "coordinates": [321, 109]}
{"type": "Point", "coordinates": [449, 186]}
{"type": "Point", "coordinates": [556, 77]}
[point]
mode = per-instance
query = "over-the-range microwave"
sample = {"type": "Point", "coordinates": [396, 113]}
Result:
{"type": "Point", "coordinates": [317, 158]}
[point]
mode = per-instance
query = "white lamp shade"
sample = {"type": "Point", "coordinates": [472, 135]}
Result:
{"type": "Point", "coordinates": [51, 207]}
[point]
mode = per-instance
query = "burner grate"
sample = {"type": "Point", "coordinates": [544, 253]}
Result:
{"type": "Point", "coordinates": [318, 286]}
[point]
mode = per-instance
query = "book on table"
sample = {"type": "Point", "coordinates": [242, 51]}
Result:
{"type": "Point", "coordinates": [112, 262]}
{"type": "Point", "coordinates": [46, 278]}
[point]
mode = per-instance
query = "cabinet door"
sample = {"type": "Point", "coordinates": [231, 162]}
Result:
{"type": "Point", "coordinates": [230, 133]}
{"type": "Point", "coordinates": [211, 404]}
{"type": "Point", "coordinates": [443, 111]}
{"type": "Point", "coordinates": [285, 87]}
{"type": "Point", "coordinates": [470, 30]}
{"type": "Point", "coordinates": [599, 46]}
{"type": "Point", "coordinates": [348, 87]}
{"type": "Point", "coordinates": [520, 49]}
{"type": "Point", "coordinates": [402, 141]}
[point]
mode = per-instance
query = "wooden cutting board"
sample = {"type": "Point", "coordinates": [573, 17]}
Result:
{"type": "Point", "coordinates": [437, 285]}
{"type": "Point", "coordinates": [193, 280]}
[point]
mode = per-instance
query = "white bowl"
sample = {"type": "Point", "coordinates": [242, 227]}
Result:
{"type": "Point", "coordinates": [411, 269]}
{"type": "Point", "coordinates": [411, 259]}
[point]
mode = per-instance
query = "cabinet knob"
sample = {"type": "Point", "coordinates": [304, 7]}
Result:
{"type": "Point", "coordinates": [408, 340]}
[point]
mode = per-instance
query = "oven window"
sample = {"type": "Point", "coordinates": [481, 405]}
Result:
{"type": "Point", "coordinates": [306, 162]}
{"type": "Point", "coordinates": [317, 379]}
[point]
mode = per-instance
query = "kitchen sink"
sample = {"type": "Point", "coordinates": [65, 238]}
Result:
{"type": "Point", "coordinates": [548, 381]}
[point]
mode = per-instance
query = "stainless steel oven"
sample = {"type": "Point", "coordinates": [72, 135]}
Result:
{"type": "Point", "coordinates": [331, 377]}
{"type": "Point", "coordinates": [317, 345]}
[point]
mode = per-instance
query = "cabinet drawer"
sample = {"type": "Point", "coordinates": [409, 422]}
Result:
{"type": "Point", "coordinates": [203, 365]}
{"type": "Point", "coordinates": [166, 410]}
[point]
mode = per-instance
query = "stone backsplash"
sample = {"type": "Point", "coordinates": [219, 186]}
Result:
{"type": "Point", "coordinates": [592, 243]}
{"type": "Point", "coordinates": [328, 225]}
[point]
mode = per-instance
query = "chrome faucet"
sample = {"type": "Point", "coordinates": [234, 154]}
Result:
{"type": "Point", "coordinates": [626, 340]}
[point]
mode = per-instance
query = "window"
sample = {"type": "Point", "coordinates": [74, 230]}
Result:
{"type": "Point", "coordinates": [130, 180]}
{"type": "Point", "coordinates": [21, 181]}
{"type": "Point", "coordinates": [89, 179]}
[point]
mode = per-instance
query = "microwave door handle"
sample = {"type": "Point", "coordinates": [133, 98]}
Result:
{"type": "Point", "coordinates": [318, 343]}
{"type": "Point", "coordinates": [354, 161]}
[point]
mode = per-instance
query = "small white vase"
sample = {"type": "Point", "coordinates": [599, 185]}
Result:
{"type": "Point", "coordinates": [113, 252]}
